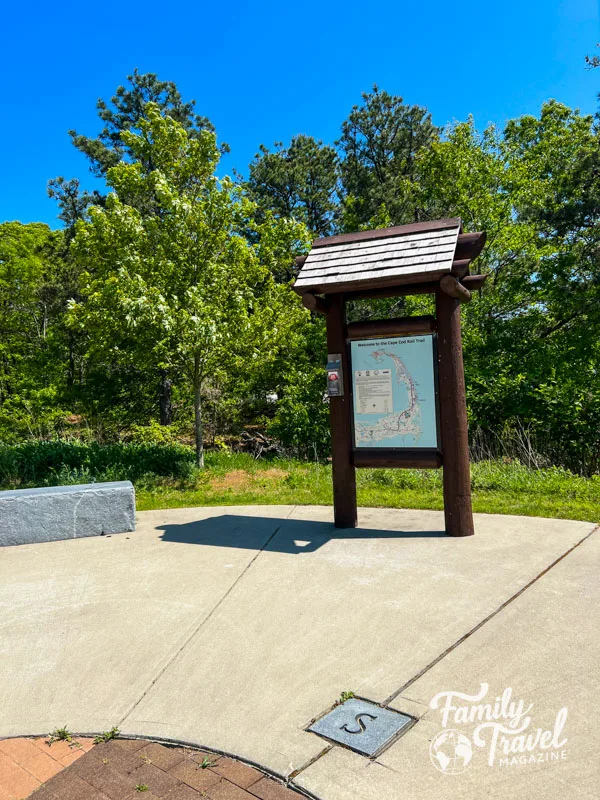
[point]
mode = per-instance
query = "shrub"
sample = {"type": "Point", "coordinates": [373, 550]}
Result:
{"type": "Point", "coordinates": [57, 462]}
{"type": "Point", "coordinates": [301, 421]}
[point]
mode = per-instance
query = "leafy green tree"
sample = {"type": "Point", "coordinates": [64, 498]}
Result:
{"type": "Point", "coordinates": [530, 339]}
{"type": "Point", "coordinates": [24, 319]}
{"type": "Point", "coordinates": [298, 181]}
{"type": "Point", "coordinates": [555, 180]}
{"type": "Point", "coordinates": [125, 112]}
{"type": "Point", "coordinates": [182, 284]}
{"type": "Point", "coordinates": [378, 147]}
{"type": "Point", "coordinates": [301, 419]}
{"type": "Point", "coordinates": [32, 354]}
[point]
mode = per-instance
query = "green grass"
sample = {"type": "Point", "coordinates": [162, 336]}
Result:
{"type": "Point", "coordinates": [165, 477]}
{"type": "Point", "coordinates": [498, 487]}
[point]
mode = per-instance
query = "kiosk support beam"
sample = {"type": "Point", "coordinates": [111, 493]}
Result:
{"type": "Point", "coordinates": [453, 418]}
{"type": "Point", "coordinates": [340, 415]}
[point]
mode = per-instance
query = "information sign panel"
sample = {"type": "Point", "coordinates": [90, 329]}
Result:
{"type": "Point", "coordinates": [394, 392]}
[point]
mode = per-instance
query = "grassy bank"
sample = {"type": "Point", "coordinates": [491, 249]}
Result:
{"type": "Point", "coordinates": [498, 488]}
{"type": "Point", "coordinates": [165, 477]}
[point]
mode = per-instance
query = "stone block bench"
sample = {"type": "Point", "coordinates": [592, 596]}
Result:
{"type": "Point", "coordinates": [29, 516]}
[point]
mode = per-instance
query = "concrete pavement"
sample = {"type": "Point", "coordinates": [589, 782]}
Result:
{"type": "Point", "coordinates": [232, 628]}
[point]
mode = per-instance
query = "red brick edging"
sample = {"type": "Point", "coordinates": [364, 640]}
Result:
{"type": "Point", "coordinates": [127, 769]}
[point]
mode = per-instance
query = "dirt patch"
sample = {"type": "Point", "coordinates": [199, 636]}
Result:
{"type": "Point", "coordinates": [273, 473]}
{"type": "Point", "coordinates": [239, 480]}
{"type": "Point", "coordinates": [236, 480]}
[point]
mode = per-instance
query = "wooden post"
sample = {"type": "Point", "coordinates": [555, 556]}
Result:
{"type": "Point", "coordinates": [340, 415]}
{"type": "Point", "coordinates": [453, 418]}
{"type": "Point", "coordinates": [314, 303]}
{"type": "Point", "coordinates": [454, 288]}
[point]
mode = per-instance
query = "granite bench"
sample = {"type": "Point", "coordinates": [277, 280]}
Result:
{"type": "Point", "coordinates": [29, 516]}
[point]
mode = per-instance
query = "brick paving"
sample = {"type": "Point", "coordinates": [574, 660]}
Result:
{"type": "Point", "coordinates": [25, 764]}
{"type": "Point", "coordinates": [127, 769]}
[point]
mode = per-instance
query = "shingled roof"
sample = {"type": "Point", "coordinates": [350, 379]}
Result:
{"type": "Point", "coordinates": [422, 252]}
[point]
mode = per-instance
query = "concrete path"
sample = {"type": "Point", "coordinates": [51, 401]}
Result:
{"type": "Point", "coordinates": [233, 628]}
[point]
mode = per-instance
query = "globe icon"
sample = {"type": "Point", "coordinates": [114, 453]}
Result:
{"type": "Point", "coordinates": [451, 752]}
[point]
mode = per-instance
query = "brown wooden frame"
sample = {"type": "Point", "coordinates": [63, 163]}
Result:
{"type": "Point", "coordinates": [450, 290]}
{"type": "Point", "coordinates": [340, 417]}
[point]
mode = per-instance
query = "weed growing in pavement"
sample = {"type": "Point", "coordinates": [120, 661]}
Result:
{"type": "Point", "coordinates": [61, 735]}
{"type": "Point", "coordinates": [106, 736]}
{"type": "Point", "coordinates": [206, 762]}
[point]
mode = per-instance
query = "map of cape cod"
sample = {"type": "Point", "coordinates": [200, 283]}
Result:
{"type": "Point", "coordinates": [394, 392]}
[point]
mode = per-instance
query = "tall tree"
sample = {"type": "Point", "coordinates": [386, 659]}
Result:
{"type": "Point", "coordinates": [124, 113]}
{"type": "Point", "coordinates": [128, 110]}
{"type": "Point", "coordinates": [530, 340]}
{"type": "Point", "coordinates": [187, 288]}
{"type": "Point", "coordinates": [298, 181]}
{"type": "Point", "coordinates": [72, 201]}
{"type": "Point", "coordinates": [379, 145]}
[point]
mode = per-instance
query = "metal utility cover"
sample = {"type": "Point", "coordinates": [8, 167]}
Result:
{"type": "Point", "coordinates": [362, 726]}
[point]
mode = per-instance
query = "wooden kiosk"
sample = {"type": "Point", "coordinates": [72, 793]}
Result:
{"type": "Point", "coordinates": [422, 258]}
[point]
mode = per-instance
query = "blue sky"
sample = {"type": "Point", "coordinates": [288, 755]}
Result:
{"type": "Point", "coordinates": [264, 71]}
